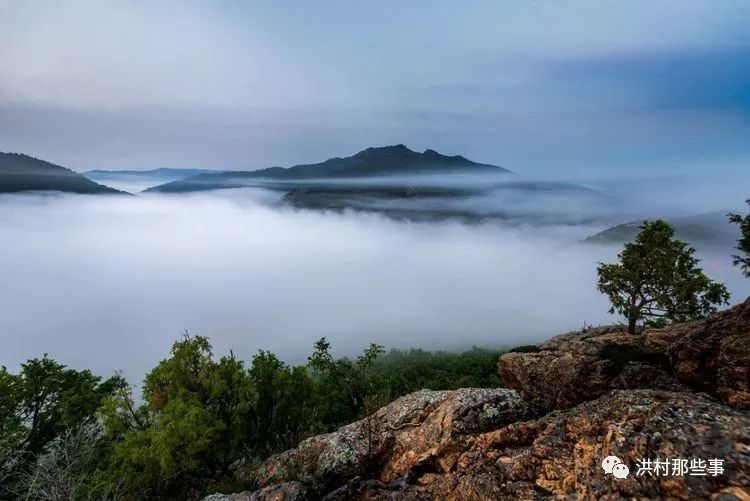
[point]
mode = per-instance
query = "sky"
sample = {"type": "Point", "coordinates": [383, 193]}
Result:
{"type": "Point", "coordinates": [556, 89]}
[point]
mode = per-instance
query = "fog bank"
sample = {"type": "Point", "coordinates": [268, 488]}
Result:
{"type": "Point", "coordinates": [111, 282]}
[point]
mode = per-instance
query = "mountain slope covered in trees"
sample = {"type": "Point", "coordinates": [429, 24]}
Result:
{"type": "Point", "coordinates": [20, 172]}
{"type": "Point", "coordinates": [709, 228]}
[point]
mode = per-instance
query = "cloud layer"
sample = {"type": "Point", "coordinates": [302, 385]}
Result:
{"type": "Point", "coordinates": [111, 282]}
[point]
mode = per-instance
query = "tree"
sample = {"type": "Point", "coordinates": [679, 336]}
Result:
{"type": "Point", "coordinates": [65, 468]}
{"type": "Point", "coordinates": [743, 244]}
{"type": "Point", "coordinates": [345, 383]}
{"type": "Point", "coordinates": [658, 280]}
{"type": "Point", "coordinates": [192, 427]}
{"type": "Point", "coordinates": [40, 403]}
{"type": "Point", "coordinates": [286, 404]}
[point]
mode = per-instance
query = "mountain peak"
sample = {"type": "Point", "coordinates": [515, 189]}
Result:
{"type": "Point", "coordinates": [376, 161]}
{"type": "Point", "coordinates": [384, 150]}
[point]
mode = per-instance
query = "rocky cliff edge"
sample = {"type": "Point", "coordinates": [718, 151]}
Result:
{"type": "Point", "coordinates": [682, 392]}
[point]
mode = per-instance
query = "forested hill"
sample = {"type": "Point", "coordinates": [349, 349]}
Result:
{"type": "Point", "coordinates": [372, 162]}
{"type": "Point", "coordinates": [20, 172]}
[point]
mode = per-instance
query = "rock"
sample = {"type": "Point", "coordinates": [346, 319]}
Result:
{"type": "Point", "coordinates": [426, 427]}
{"type": "Point", "coordinates": [711, 355]}
{"type": "Point", "coordinates": [714, 354]}
{"type": "Point", "coordinates": [681, 392]}
{"type": "Point", "coordinates": [560, 455]}
{"type": "Point", "coordinates": [287, 491]}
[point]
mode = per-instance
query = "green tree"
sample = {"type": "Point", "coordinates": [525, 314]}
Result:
{"type": "Point", "coordinates": [39, 404]}
{"type": "Point", "coordinates": [52, 398]}
{"type": "Point", "coordinates": [344, 383]}
{"type": "Point", "coordinates": [203, 424]}
{"type": "Point", "coordinates": [193, 426]}
{"type": "Point", "coordinates": [287, 404]}
{"type": "Point", "coordinates": [658, 280]}
{"type": "Point", "coordinates": [743, 244]}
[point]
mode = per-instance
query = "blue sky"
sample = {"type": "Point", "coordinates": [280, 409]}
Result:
{"type": "Point", "coordinates": [563, 89]}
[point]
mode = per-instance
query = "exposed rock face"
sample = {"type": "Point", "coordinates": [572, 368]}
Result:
{"type": "Point", "coordinates": [422, 428]}
{"type": "Point", "coordinates": [560, 455]}
{"type": "Point", "coordinates": [676, 393]}
{"type": "Point", "coordinates": [711, 355]}
{"type": "Point", "coordinates": [287, 491]}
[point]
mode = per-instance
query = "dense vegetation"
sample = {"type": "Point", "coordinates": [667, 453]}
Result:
{"type": "Point", "coordinates": [202, 423]}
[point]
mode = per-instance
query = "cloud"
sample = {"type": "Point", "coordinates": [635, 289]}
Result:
{"type": "Point", "coordinates": [111, 282]}
{"type": "Point", "coordinates": [539, 86]}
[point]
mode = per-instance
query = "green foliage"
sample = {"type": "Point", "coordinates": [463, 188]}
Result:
{"type": "Point", "coordinates": [658, 280]}
{"type": "Point", "coordinates": [202, 423]}
{"type": "Point", "coordinates": [195, 425]}
{"type": "Point", "coordinates": [743, 243]}
{"type": "Point", "coordinates": [400, 372]}
{"type": "Point", "coordinates": [287, 406]}
{"type": "Point", "coordinates": [38, 405]}
{"type": "Point", "coordinates": [344, 382]}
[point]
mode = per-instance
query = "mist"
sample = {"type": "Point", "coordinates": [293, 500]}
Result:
{"type": "Point", "coordinates": [110, 282]}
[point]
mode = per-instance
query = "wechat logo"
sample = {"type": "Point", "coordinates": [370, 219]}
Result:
{"type": "Point", "coordinates": [614, 466]}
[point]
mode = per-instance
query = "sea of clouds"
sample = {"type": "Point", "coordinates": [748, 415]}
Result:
{"type": "Point", "coordinates": [110, 282]}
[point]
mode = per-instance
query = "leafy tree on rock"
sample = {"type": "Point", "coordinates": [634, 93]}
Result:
{"type": "Point", "coordinates": [743, 244]}
{"type": "Point", "coordinates": [658, 280]}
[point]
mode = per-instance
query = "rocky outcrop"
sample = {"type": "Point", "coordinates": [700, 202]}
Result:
{"type": "Point", "coordinates": [287, 491]}
{"type": "Point", "coordinates": [711, 355]}
{"type": "Point", "coordinates": [424, 428]}
{"type": "Point", "coordinates": [560, 455]}
{"type": "Point", "coordinates": [679, 393]}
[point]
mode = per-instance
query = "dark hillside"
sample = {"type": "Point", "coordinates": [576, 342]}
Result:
{"type": "Point", "coordinates": [20, 172]}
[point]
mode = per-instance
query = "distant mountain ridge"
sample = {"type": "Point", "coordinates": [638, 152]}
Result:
{"type": "Point", "coordinates": [19, 173]}
{"type": "Point", "coordinates": [371, 162]}
{"type": "Point", "coordinates": [711, 227]}
{"type": "Point", "coordinates": [138, 180]}
{"type": "Point", "coordinates": [161, 171]}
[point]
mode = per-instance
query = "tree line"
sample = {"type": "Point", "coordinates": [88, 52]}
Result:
{"type": "Point", "coordinates": [203, 423]}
